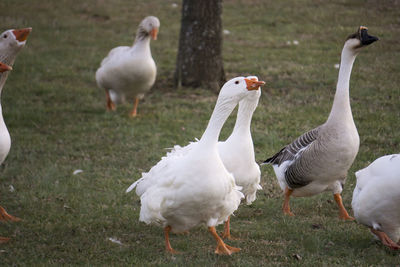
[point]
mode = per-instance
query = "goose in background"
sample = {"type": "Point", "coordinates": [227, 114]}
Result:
{"type": "Point", "coordinates": [190, 185]}
{"type": "Point", "coordinates": [11, 43]}
{"type": "Point", "coordinates": [237, 152]}
{"type": "Point", "coordinates": [318, 160]}
{"type": "Point", "coordinates": [376, 199]}
{"type": "Point", "coordinates": [128, 72]}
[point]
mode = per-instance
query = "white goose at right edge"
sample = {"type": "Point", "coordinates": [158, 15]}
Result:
{"type": "Point", "coordinates": [318, 160]}
{"type": "Point", "coordinates": [376, 199]}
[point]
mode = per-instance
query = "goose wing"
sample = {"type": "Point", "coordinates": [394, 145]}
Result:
{"type": "Point", "coordinates": [291, 155]}
{"type": "Point", "coordinates": [293, 150]}
{"type": "Point", "coordinates": [115, 53]}
{"type": "Point", "coordinates": [155, 175]}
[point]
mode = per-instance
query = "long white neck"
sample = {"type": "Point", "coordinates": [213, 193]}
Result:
{"type": "Point", "coordinates": [5, 140]}
{"type": "Point", "coordinates": [142, 44]}
{"type": "Point", "coordinates": [222, 110]}
{"type": "Point", "coordinates": [2, 123]}
{"type": "Point", "coordinates": [3, 79]}
{"type": "Point", "coordinates": [244, 116]}
{"type": "Point", "coordinates": [341, 109]}
{"type": "Point", "coordinates": [6, 58]}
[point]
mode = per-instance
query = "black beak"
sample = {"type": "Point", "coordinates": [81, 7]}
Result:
{"type": "Point", "coordinates": [367, 39]}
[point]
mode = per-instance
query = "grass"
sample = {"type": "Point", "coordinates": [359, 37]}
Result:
{"type": "Point", "coordinates": [57, 120]}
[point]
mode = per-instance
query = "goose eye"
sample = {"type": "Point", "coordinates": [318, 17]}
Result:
{"type": "Point", "coordinates": [237, 82]}
{"type": "Point", "coordinates": [5, 36]}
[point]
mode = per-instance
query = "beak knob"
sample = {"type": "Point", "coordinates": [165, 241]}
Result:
{"type": "Point", "coordinates": [367, 39]}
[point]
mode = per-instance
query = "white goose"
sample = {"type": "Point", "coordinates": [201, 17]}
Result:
{"type": "Point", "coordinates": [11, 42]}
{"type": "Point", "coordinates": [376, 199]}
{"type": "Point", "coordinates": [190, 185]}
{"type": "Point", "coordinates": [318, 160]}
{"type": "Point", "coordinates": [237, 152]}
{"type": "Point", "coordinates": [129, 72]}
{"type": "Point", "coordinates": [5, 143]}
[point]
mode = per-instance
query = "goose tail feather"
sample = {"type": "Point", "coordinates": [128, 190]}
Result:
{"type": "Point", "coordinates": [130, 188]}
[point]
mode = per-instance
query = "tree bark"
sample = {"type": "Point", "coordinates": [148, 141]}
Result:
{"type": "Point", "coordinates": [199, 60]}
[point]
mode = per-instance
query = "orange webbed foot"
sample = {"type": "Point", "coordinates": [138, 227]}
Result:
{"type": "Point", "coordinates": [343, 214]}
{"type": "Point", "coordinates": [168, 247]}
{"type": "Point", "coordinates": [288, 213]}
{"type": "Point", "coordinates": [346, 217]}
{"type": "Point", "coordinates": [4, 216]}
{"type": "Point", "coordinates": [385, 239]}
{"type": "Point", "coordinates": [222, 248]}
{"type": "Point", "coordinates": [172, 251]}
{"type": "Point", "coordinates": [232, 249]}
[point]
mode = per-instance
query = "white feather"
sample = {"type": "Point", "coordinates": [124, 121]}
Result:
{"type": "Point", "coordinates": [376, 196]}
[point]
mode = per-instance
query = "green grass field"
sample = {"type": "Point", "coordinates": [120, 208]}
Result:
{"type": "Point", "coordinates": [58, 124]}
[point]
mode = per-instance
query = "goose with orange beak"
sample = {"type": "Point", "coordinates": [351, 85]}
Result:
{"type": "Point", "coordinates": [237, 152]}
{"type": "Point", "coordinates": [191, 186]}
{"type": "Point", "coordinates": [11, 43]}
{"type": "Point", "coordinates": [4, 148]}
{"type": "Point", "coordinates": [128, 72]}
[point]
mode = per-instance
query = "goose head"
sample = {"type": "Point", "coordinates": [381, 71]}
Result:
{"type": "Point", "coordinates": [11, 41]}
{"type": "Point", "coordinates": [240, 87]}
{"type": "Point", "coordinates": [149, 27]}
{"type": "Point", "coordinates": [4, 67]}
{"type": "Point", "coordinates": [359, 39]}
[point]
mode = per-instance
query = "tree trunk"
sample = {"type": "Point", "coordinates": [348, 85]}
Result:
{"type": "Point", "coordinates": [199, 61]}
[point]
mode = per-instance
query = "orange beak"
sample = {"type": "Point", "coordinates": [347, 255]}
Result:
{"type": "Point", "coordinates": [4, 67]}
{"type": "Point", "coordinates": [154, 33]}
{"type": "Point", "coordinates": [22, 34]}
{"type": "Point", "coordinates": [253, 84]}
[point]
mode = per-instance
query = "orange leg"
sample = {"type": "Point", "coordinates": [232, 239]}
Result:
{"type": "Point", "coordinates": [4, 216]}
{"type": "Point", "coordinates": [222, 248]}
{"type": "Point", "coordinates": [110, 104]}
{"type": "Point", "coordinates": [342, 211]}
{"type": "Point", "coordinates": [168, 247]}
{"type": "Point", "coordinates": [286, 207]}
{"type": "Point", "coordinates": [134, 110]}
{"type": "Point", "coordinates": [227, 230]}
{"type": "Point", "coordinates": [385, 239]}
